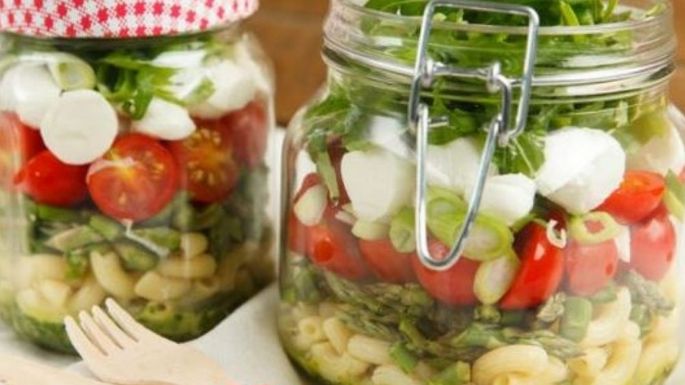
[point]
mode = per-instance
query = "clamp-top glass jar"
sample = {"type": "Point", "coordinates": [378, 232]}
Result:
{"type": "Point", "coordinates": [132, 146]}
{"type": "Point", "coordinates": [489, 194]}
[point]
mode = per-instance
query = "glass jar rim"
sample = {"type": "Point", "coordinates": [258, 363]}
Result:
{"type": "Point", "coordinates": [563, 30]}
{"type": "Point", "coordinates": [653, 55]}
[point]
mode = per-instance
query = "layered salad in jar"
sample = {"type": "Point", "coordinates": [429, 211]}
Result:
{"type": "Point", "coordinates": [569, 274]}
{"type": "Point", "coordinates": [133, 170]}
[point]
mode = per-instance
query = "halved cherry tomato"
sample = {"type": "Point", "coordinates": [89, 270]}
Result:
{"type": "Point", "coordinates": [49, 181]}
{"type": "Point", "coordinates": [135, 179]}
{"type": "Point", "coordinates": [652, 246]}
{"type": "Point", "coordinates": [638, 196]}
{"type": "Point", "coordinates": [453, 286]}
{"type": "Point", "coordinates": [205, 158]}
{"type": "Point", "coordinates": [20, 136]}
{"type": "Point", "coordinates": [541, 272]}
{"type": "Point", "coordinates": [589, 268]}
{"type": "Point", "coordinates": [248, 131]}
{"type": "Point", "coordinates": [387, 263]}
{"type": "Point", "coordinates": [329, 244]}
{"type": "Point", "coordinates": [332, 246]}
{"type": "Point", "coordinates": [18, 144]}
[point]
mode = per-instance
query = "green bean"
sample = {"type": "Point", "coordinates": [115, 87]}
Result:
{"type": "Point", "coordinates": [405, 359]}
{"type": "Point", "coordinates": [576, 318]}
{"type": "Point", "coordinates": [74, 238]}
{"type": "Point", "coordinates": [135, 256]}
{"type": "Point", "coordinates": [160, 236]}
{"type": "Point", "coordinates": [57, 214]}
{"type": "Point", "coordinates": [108, 228]}
{"type": "Point", "coordinates": [456, 374]}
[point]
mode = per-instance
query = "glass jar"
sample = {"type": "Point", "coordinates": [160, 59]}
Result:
{"type": "Point", "coordinates": [133, 168]}
{"type": "Point", "coordinates": [427, 240]}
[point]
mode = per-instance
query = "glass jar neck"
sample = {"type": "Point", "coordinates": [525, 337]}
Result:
{"type": "Point", "coordinates": [584, 60]}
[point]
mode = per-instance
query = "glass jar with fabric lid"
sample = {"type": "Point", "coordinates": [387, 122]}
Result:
{"type": "Point", "coordinates": [132, 146]}
{"type": "Point", "coordinates": [487, 193]}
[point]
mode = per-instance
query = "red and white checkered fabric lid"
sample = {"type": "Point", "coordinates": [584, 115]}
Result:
{"type": "Point", "coordinates": [119, 18]}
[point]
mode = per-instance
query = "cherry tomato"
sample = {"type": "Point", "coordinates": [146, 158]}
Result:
{"type": "Point", "coordinates": [18, 144]}
{"type": "Point", "coordinates": [387, 263]}
{"type": "Point", "coordinates": [248, 131]}
{"type": "Point", "coordinates": [589, 268]}
{"type": "Point", "coordinates": [49, 181]}
{"type": "Point", "coordinates": [332, 246]}
{"type": "Point", "coordinates": [135, 179]}
{"type": "Point", "coordinates": [541, 272]}
{"type": "Point", "coordinates": [209, 171]}
{"type": "Point", "coordinates": [453, 286]}
{"type": "Point", "coordinates": [638, 196]}
{"type": "Point", "coordinates": [652, 246]}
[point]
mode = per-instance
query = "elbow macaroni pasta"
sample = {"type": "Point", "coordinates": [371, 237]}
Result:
{"type": "Point", "coordinates": [199, 267]}
{"type": "Point", "coordinates": [371, 350]}
{"type": "Point", "coordinates": [334, 366]}
{"type": "Point", "coordinates": [111, 275]}
{"type": "Point", "coordinates": [609, 321]}
{"type": "Point", "coordinates": [337, 333]}
{"type": "Point", "coordinates": [622, 363]}
{"type": "Point", "coordinates": [392, 375]}
{"type": "Point", "coordinates": [154, 287]}
{"type": "Point", "coordinates": [520, 360]}
{"type": "Point", "coordinates": [90, 294]}
{"type": "Point", "coordinates": [193, 245]}
{"type": "Point", "coordinates": [310, 331]}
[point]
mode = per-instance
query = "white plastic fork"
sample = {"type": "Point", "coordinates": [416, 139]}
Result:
{"type": "Point", "coordinates": [118, 349]}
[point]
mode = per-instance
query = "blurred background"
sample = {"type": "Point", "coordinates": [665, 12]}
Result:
{"type": "Point", "coordinates": [290, 31]}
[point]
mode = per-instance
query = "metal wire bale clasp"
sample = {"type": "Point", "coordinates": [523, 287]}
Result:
{"type": "Point", "coordinates": [500, 130]}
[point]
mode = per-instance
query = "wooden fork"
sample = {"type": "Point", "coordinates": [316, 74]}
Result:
{"type": "Point", "coordinates": [16, 371]}
{"type": "Point", "coordinates": [120, 350]}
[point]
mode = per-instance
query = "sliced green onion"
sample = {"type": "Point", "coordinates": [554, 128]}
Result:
{"type": "Point", "coordinates": [325, 168]}
{"type": "Point", "coordinates": [405, 359]}
{"type": "Point", "coordinates": [556, 238]}
{"type": "Point", "coordinates": [443, 201]}
{"type": "Point", "coordinates": [609, 228]}
{"type": "Point", "coordinates": [402, 233]}
{"type": "Point", "coordinates": [71, 73]}
{"type": "Point", "coordinates": [576, 318]}
{"type": "Point", "coordinates": [370, 231]}
{"type": "Point", "coordinates": [494, 278]}
{"type": "Point", "coordinates": [489, 238]}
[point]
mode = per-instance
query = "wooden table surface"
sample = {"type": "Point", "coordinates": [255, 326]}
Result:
{"type": "Point", "coordinates": [290, 31]}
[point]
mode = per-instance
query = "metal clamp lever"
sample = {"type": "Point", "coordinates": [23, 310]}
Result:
{"type": "Point", "coordinates": [500, 130]}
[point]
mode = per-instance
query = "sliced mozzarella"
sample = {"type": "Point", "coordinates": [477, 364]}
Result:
{"type": "Point", "coordinates": [165, 120]}
{"type": "Point", "coordinates": [455, 165]}
{"type": "Point", "coordinates": [660, 154]}
{"type": "Point", "coordinates": [80, 127]}
{"type": "Point", "coordinates": [388, 133]}
{"type": "Point", "coordinates": [507, 197]}
{"type": "Point", "coordinates": [30, 91]}
{"type": "Point", "coordinates": [378, 182]}
{"type": "Point", "coordinates": [8, 102]}
{"type": "Point", "coordinates": [623, 244]}
{"type": "Point", "coordinates": [582, 168]}
{"type": "Point", "coordinates": [234, 88]}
